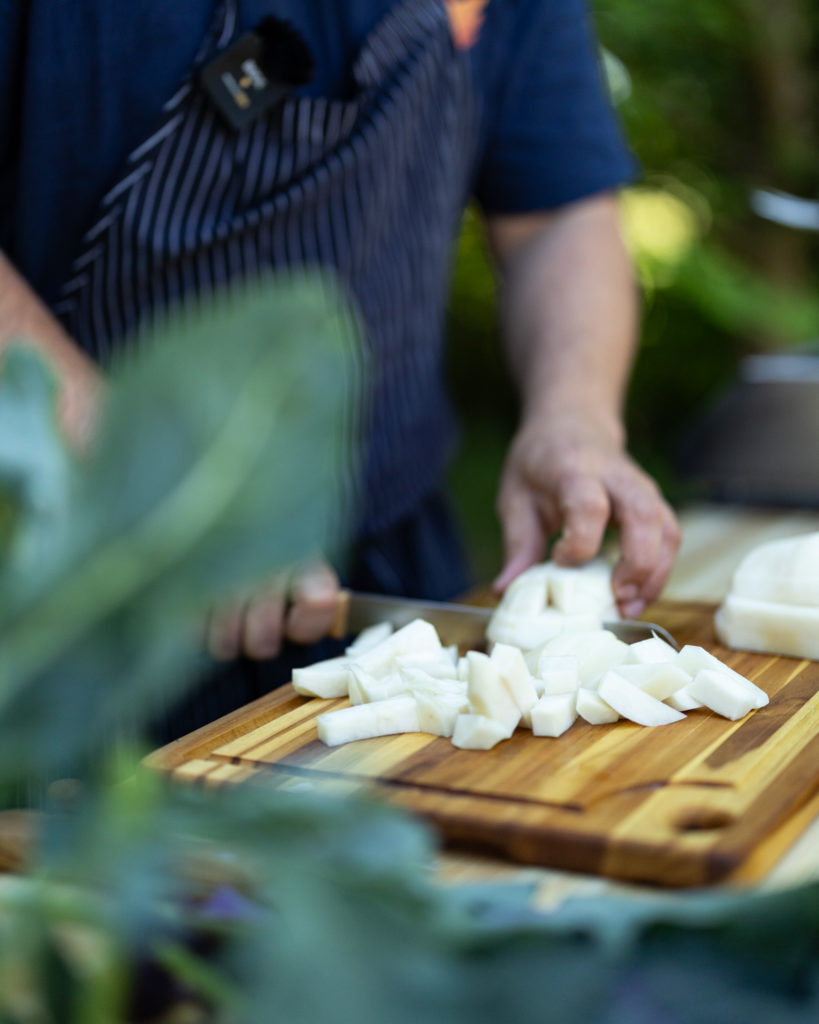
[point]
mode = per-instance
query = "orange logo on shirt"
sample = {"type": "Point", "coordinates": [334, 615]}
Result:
{"type": "Point", "coordinates": [465, 20]}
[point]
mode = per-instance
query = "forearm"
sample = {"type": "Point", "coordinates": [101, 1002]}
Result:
{"type": "Point", "coordinates": [23, 317]}
{"type": "Point", "coordinates": [569, 313]}
{"type": "Point", "coordinates": [570, 325]}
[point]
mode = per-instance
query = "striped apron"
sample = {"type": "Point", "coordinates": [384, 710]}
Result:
{"type": "Point", "coordinates": [373, 186]}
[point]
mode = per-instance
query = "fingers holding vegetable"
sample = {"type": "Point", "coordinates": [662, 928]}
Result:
{"type": "Point", "coordinates": [577, 482]}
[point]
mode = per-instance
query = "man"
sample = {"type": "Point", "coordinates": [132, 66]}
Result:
{"type": "Point", "coordinates": [125, 192]}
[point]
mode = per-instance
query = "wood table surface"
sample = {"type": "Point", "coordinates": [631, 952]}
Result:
{"type": "Point", "coordinates": [788, 856]}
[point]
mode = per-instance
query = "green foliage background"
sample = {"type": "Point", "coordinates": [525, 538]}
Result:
{"type": "Point", "coordinates": [716, 98]}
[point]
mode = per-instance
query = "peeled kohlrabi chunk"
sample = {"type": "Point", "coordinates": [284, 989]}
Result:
{"type": "Point", "coordinates": [682, 700]}
{"type": "Point", "coordinates": [596, 652]}
{"type": "Point", "coordinates": [753, 625]}
{"type": "Point", "coordinates": [487, 694]}
{"type": "Point", "coordinates": [527, 633]}
{"type": "Point", "coordinates": [515, 675]}
{"type": "Point", "coordinates": [654, 650]}
{"type": "Point", "coordinates": [477, 732]}
{"type": "Point", "coordinates": [593, 709]}
{"type": "Point", "coordinates": [420, 682]}
{"type": "Point", "coordinates": [437, 712]}
{"type": "Point", "coordinates": [632, 703]}
{"type": "Point", "coordinates": [553, 714]}
{"type": "Point", "coordinates": [729, 695]}
{"type": "Point", "coordinates": [329, 678]}
{"type": "Point", "coordinates": [365, 688]}
{"type": "Point", "coordinates": [416, 636]}
{"type": "Point", "coordinates": [557, 673]}
{"type": "Point", "coordinates": [693, 659]}
{"type": "Point", "coordinates": [527, 595]}
{"type": "Point", "coordinates": [784, 571]}
{"type": "Point", "coordinates": [433, 663]}
{"type": "Point", "coordinates": [383, 718]}
{"type": "Point", "coordinates": [583, 589]}
{"type": "Point", "coordinates": [658, 679]}
{"type": "Point", "coordinates": [369, 638]}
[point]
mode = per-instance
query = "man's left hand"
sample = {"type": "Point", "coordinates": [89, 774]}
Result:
{"type": "Point", "coordinates": [573, 478]}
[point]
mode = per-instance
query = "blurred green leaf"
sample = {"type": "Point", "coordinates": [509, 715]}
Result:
{"type": "Point", "coordinates": [225, 454]}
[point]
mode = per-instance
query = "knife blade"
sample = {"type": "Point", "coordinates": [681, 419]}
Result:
{"type": "Point", "coordinates": [461, 624]}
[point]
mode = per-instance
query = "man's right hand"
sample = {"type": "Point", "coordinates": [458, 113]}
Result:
{"type": "Point", "coordinates": [300, 607]}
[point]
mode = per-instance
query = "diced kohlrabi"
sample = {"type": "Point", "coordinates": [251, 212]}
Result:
{"type": "Point", "coordinates": [476, 732]}
{"type": "Point", "coordinates": [557, 673]}
{"type": "Point", "coordinates": [654, 650]}
{"type": "Point", "coordinates": [515, 675]}
{"type": "Point", "coordinates": [729, 695]}
{"type": "Point", "coordinates": [488, 696]}
{"type": "Point", "coordinates": [437, 712]}
{"type": "Point", "coordinates": [416, 636]}
{"type": "Point", "coordinates": [693, 659]}
{"type": "Point", "coordinates": [369, 638]}
{"type": "Point", "coordinates": [659, 679]}
{"type": "Point", "coordinates": [632, 703]}
{"type": "Point", "coordinates": [596, 651]}
{"type": "Point", "coordinates": [583, 589]}
{"type": "Point", "coordinates": [329, 678]}
{"type": "Point", "coordinates": [592, 708]}
{"type": "Point", "coordinates": [361, 722]}
{"type": "Point", "coordinates": [553, 714]}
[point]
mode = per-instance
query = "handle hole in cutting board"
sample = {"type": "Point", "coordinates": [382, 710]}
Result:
{"type": "Point", "coordinates": [703, 819]}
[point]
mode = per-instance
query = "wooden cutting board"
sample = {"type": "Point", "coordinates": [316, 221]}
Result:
{"type": "Point", "coordinates": [679, 805]}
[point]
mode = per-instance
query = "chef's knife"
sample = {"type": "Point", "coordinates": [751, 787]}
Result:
{"type": "Point", "coordinates": [461, 624]}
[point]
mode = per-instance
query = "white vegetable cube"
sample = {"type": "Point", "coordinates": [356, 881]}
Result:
{"type": "Point", "coordinates": [632, 703]}
{"type": "Point", "coordinates": [527, 633]}
{"type": "Point", "coordinates": [383, 718]}
{"type": "Point", "coordinates": [359, 688]}
{"type": "Point", "coordinates": [596, 652]}
{"type": "Point", "coordinates": [682, 700]}
{"type": "Point", "coordinates": [515, 675]}
{"type": "Point", "coordinates": [329, 678]}
{"type": "Point", "coordinates": [366, 688]}
{"type": "Point", "coordinates": [416, 636]}
{"type": "Point", "coordinates": [418, 679]}
{"type": "Point", "coordinates": [729, 695]}
{"type": "Point", "coordinates": [369, 638]}
{"type": "Point", "coordinates": [487, 694]}
{"type": "Point", "coordinates": [553, 714]}
{"type": "Point", "coordinates": [592, 708]}
{"type": "Point", "coordinates": [430, 664]}
{"type": "Point", "coordinates": [693, 659]}
{"type": "Point", "coordinates": [477, 732]}
{"type": "Point", "coordinates": [658, 679]}
{"type": "Point", "coordinates": [463, 669]}
{"type": "Point", "coordinates": [654, 650]}
{"type": "Point", "coordinates": [527, 595]}
{"type": "Point", "coordinates": [585, 588]}
{"type": "Point", "coordinates": [437, 712]}
{"type": "Point", "coordinates": [557, 673]}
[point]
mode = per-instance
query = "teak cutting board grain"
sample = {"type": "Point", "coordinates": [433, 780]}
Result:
{"type": "Point", "coordinates": [683, 804]}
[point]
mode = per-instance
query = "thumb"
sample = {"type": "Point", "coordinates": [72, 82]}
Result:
{"type": "Point", "coordinates": [523, 540]}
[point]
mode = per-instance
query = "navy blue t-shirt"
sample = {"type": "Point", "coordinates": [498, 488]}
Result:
{"type": "Point", "coordinates": [83, 81]}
